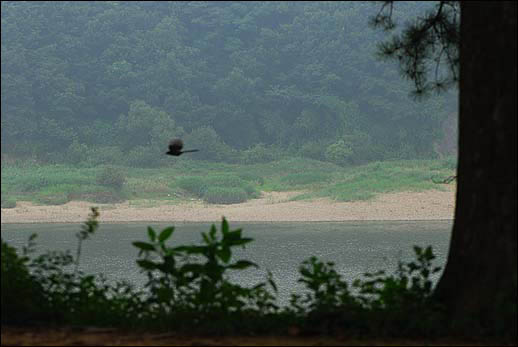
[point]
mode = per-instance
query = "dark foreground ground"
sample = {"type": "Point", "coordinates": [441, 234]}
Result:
{"type": "Point", "coordinates": [20, 336]}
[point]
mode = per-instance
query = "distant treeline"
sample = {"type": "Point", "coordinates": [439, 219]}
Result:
{"type": "Point", "coordinates": [112, 82]}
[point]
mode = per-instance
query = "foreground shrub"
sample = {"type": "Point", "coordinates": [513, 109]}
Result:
{"type": "Point", "coordinates": [188, 289]}
{"type": "Point", "coordinates": [178, 282]}
{"type": "Point", "coordinates": [22, 296]}
{"type": "Point", "coordinates": [383, 305]}
{"type": "Point", "coordinates": [51, 288]}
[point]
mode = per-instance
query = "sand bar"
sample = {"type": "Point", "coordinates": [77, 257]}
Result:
{"type": "Point", "coordinates": [271, 207]}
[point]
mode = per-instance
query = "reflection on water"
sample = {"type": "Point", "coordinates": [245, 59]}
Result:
{"type": "Point", "coordinates": [355, 247]}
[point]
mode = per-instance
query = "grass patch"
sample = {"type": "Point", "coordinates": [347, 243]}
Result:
{"type": "Point", "coordinates": [187, 178]}
{"type": "Point", "coordinates": [303, 196]}
{"type": "Point", "coordinates": [363, 183]}
{"type": "Point", "coordinates": [46, 198]}
{"type": "Point", "coordinates": [8, 202]}
{"type": "Point", "coordinates": [218, 189]}
{"type": "Point", "coordinates": [251, 177]}
{"type": "Point", "coordinates": [146, 203]}
{"type": "Point", "coordinates": [224, 195]}
{"type": "Point", "coordinates": [35, 178]}
{"type": "Point", "coordinates": [195, 185]}
{"type": "Point", "coordinates": [62, 193]}
{"type": "Point", "coordinates": [305, 178]}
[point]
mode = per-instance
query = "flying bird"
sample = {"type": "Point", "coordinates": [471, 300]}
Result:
{"type": "Point", "coordinates": [175, 148]}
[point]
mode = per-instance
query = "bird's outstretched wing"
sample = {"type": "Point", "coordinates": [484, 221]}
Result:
{"type": "Point", "coordinates": [175, 145]}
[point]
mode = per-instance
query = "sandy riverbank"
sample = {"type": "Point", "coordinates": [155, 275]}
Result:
{"type": "Point", "coordinates": [272, 206]}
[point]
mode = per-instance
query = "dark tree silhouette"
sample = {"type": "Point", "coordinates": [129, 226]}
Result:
{"type": "Point", "coordinates": [478, 287]}
{"type": "Point", "coordinates": [175, 148]}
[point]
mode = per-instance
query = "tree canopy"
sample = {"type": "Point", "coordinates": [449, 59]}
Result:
{"type": "Point", "coordinates": [123, 76]}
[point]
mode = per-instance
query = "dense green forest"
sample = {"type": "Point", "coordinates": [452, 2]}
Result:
{"type": "Point", "coordinates": [92, 83]}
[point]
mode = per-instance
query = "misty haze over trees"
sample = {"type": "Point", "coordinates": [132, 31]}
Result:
{"type": "Point", "coordinates": [106, 82]}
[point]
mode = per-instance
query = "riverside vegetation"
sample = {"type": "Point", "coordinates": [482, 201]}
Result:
{"type": "Point", "coordinates": [216, 182]}
{"type": "Point", "coordinates": [89, 85]}
{"type": "Point", "coordinates": [189, 290]}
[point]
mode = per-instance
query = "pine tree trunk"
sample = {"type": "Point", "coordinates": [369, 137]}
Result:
{"type": "Point", "coordinates": [479, 281]}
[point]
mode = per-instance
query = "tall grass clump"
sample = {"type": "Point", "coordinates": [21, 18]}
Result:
{"type": "Point", "coordinates": [224, 195]}
{"type": "Point", "coordinates": [111, 177]}
{"type": "Point", "coordinates": [219, 189]}
{"type": "Point", "coordinates": [195, 185]}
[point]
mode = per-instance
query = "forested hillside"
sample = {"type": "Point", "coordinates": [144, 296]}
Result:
{"type": "Point", "coordinates": [111, 82]}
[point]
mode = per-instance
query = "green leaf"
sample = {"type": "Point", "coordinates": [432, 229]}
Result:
{"type": "Point", "coordinates": [205, 238]}
{"type": "Point", "coordinates": [146, 264]}
{"type": "Point", "coordinates": [224, 254]}
{"type": "Point", "coordinates": [194, 268]}
{"type": "Point", "coordinates": [271, 281]}
{"type": "Point", "coordinates": [232, 236]}
{"type": "Point", "coordinates": [151, 233]}
{"type": "Point", "coordinates": [144, 246]}
{"type": "Point", "coordinates": [224, 226]}
{"type": "Point", "coordinates": [212, 232]}
{"type": "Point", "coordinates": [165, 234]}
{"type": "Point", "coordinates": [305, 272]}
{"type": "Point", "coordinates": [240, 242]}
{"type": "Point", "coordinates": [242, 264]}
{"type": "Point", "coordinates": [235, 233]}
{"type": "Point", "coordinates": [192, 249]}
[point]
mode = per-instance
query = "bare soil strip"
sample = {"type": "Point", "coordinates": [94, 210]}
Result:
{"type": "Point", "coordinates": [271, 207]}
